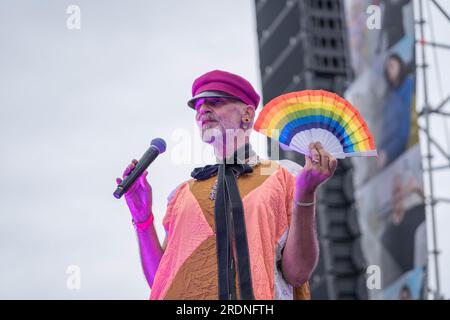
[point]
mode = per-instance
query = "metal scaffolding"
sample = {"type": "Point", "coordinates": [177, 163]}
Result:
{"type": "Point", "coordinates": [432, 145]}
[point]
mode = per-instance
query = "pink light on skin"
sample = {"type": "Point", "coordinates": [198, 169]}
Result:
{"type": "Point", "coordinates": [224, 115]}
{"type": "Point", "coordinates": [301, 252]}
{"type": "Point", "coordinates": [314, 175]}
{"type": "Point", "coordinates": [139, 200]}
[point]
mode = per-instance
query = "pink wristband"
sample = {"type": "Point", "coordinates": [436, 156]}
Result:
{"type": "Point", "coordinates": [141, 226]}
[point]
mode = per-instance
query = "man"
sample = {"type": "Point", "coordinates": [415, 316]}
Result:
{"type": "Point", "coordinates": [240, 229]}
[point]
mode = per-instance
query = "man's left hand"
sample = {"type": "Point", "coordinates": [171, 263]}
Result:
{"type": "Point", "coordinates": [319, 167]}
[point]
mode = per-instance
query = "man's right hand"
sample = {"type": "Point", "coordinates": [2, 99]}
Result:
{"type": "Point", "coordinates": [139, 195]}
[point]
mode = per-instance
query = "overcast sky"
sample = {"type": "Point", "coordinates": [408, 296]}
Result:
{"type": "Point", "coordinates": [77, 105]}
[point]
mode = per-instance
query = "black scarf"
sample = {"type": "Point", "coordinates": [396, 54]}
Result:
{"type": "Point", "coordinates": [230, 221]}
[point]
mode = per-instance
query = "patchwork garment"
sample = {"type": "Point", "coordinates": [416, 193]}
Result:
{"type": "Point", "coordinates": [188, 267]}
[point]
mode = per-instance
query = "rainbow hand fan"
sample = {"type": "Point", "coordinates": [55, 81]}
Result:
{"type": "Point", "coordinates": [298, 118]}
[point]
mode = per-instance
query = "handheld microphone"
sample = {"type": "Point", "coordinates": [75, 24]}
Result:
{"type": "Point", "coordinates": [157, 146]}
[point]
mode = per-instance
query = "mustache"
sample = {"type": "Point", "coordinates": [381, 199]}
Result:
{"type": "Point", "coordinates": [207, 117]}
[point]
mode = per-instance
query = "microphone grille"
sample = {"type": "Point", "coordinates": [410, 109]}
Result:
{"type": "Point", "coordinates": [160, 144]}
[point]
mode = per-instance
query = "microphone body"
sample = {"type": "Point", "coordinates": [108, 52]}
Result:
{"type": "Point", "coordinates": [157, 147]}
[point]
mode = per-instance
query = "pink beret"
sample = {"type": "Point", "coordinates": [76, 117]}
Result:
{"type": "Point", "coordinates": [218, 83]}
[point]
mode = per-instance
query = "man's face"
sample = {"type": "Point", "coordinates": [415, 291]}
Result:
{"type": "Point", "coordinates": [217, 115]}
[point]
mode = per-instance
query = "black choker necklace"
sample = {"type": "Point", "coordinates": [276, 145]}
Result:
{"type": "Point", "coordinates": [212, 194]}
